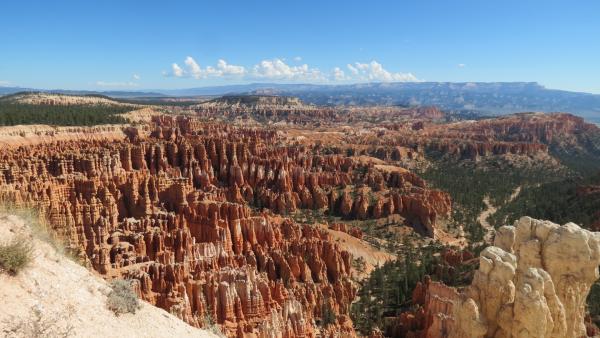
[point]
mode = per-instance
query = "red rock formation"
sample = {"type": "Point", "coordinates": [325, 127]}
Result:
{"type": "Point", "coordinates": [432, 317]}
{"type": "Point", "coordinates": [343, 227]}
{"type": "Point", "coordinates": [171, 212]}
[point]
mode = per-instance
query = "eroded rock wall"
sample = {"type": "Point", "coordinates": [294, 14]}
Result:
{"type": "Point", "coordinates": [533, 282]}
{"type": "Point", "coordinates": [195, 213]}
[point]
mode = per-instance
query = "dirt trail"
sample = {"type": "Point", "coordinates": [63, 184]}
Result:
{"type": "Point", "coordinates": [491, 209]}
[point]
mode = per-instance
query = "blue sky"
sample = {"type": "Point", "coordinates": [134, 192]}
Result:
{"type": "Point", "coordinates": [135, 44]}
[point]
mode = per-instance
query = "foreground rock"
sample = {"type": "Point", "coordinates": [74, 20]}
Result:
{"type": "Point", "coordinates": [533, 282]}
{"type": "Point", "coordinates": [71, 299]}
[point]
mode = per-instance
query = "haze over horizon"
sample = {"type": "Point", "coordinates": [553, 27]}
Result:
{"type": "Point", "coordinates": [148, 45]}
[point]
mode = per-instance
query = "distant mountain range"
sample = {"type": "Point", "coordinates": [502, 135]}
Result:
{"type": "Point", "coordinates": [481, 97]}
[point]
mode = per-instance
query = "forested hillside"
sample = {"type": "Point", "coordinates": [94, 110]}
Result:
{"type": "Point", "coordinates": [570, 200]}
{"type": "Point", "coordinates": [72, 115]}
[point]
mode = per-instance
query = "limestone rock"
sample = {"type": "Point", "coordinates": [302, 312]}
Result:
{"type": "Point", "coordinates": [533, 283]}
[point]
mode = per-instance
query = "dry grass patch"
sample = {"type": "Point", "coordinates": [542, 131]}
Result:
{"type": "Point", "coordinates": [15, 255]}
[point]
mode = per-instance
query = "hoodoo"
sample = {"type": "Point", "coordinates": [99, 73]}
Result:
{"type": "Point", "coordinates": [533, 282]}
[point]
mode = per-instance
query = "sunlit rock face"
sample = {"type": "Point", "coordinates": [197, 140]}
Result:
{"type": "Point", "coordinates": [172, 211]}
{"type": "Point", "coordinates": [533, 282]}
{"type": "Point", "coordinates": [195, 213]}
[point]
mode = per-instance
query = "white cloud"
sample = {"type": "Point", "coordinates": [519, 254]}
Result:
{"type": "Point", "coordinates": [227, 69]}
{"type": "Point", "coordinates": [276, 69]}
{"type": "Point", "coordinates": [338, 74]}
{"type": "Point", "coordinates": [4, 83]}
{"type": "Point", "coordinates": [135, 77]}
{"type": "Point", "coordinates": [177, 71]}
{"type": "Point", "coordinates": [297, 58]}
{"type": "Point", "coordinates": [352, 69]}
{"type": "Point", "coordinates": [116, 84]}
{"type": "Point", "coordinates": [193, 67]}
{"type": "Point", "coordinates": [461, 65]}
{"type": "Point", "coordinates": [374, 71]}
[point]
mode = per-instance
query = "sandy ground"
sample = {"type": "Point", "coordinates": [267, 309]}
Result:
{"type": "Point", "coordinates": [491, 209]}
{"type": "Point", "coordinates": [450, 239]}
{"type": "Point", "coordinates": [69, 294]}
{"type": "Point", "coordinates": [390, 168]}
{"type": "Point", "coordinates": [359, 248]}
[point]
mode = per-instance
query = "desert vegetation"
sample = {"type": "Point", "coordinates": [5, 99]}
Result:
{"type": "Point", "coordinates": [15, 255]}
{"type": "Point", "coordinates": [122, 299]}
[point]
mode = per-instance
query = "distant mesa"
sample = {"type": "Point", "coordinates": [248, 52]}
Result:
{"type": "Point", "coordinates": [494, 98]}
{"type": "Point", "coordinates": [257, 100]}
{"type": "Point", "coordinates": [55, 99]}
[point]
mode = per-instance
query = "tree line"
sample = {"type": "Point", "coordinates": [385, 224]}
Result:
{"type": "Point", "coordinates": [73, 115]}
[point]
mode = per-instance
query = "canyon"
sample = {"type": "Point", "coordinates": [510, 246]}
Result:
{"type": "Point", "coordinates": [196, 218]}
{"type": "Point", "coordinates": [258, 213]}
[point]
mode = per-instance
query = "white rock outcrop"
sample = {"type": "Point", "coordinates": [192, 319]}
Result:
{"type": "Point", "coordinates": [533, 283]}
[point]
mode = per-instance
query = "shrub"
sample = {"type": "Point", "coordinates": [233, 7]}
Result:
{"type": "Point", "coordinates": [122, 298]}
{"type": "Point", "coordinates": [15, 255]}
{"type": "Point", "coordinates": [359, 264]}
{"type": "Point", "coordinates": [328, 316]}
{"type": "Point", "coordinates": [209, 324]}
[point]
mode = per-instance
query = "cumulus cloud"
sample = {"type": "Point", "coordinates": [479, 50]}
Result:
{"type": "Point", "coordinates": [461, 65]}
{"type": "Point", "coordinates": [116, 84]}
{"type": "Point", "coordinates": [297, 58]}
{"type": "Point", "coordinates": [4, 83]}
{"type": "Point", "coordinates": [135, 77]}
{"type": "Point", "coordinates": [227, 69]}
{"type": "Point", "coordinates": [338, 74]}
{"type": "Point", "coordinates": [277, 69]}
{"type": "Point", "coordinates": [374, 71]}
{"type": "Point", "coordinates": [353, 70]}
{"type": "Point", "coordinates": [193, 69]}
{"type": "Point", "coordinates": [177, 71]}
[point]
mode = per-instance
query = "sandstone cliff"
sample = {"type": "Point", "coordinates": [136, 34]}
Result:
{"type": "Point", "coordinates": [532, 283]}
